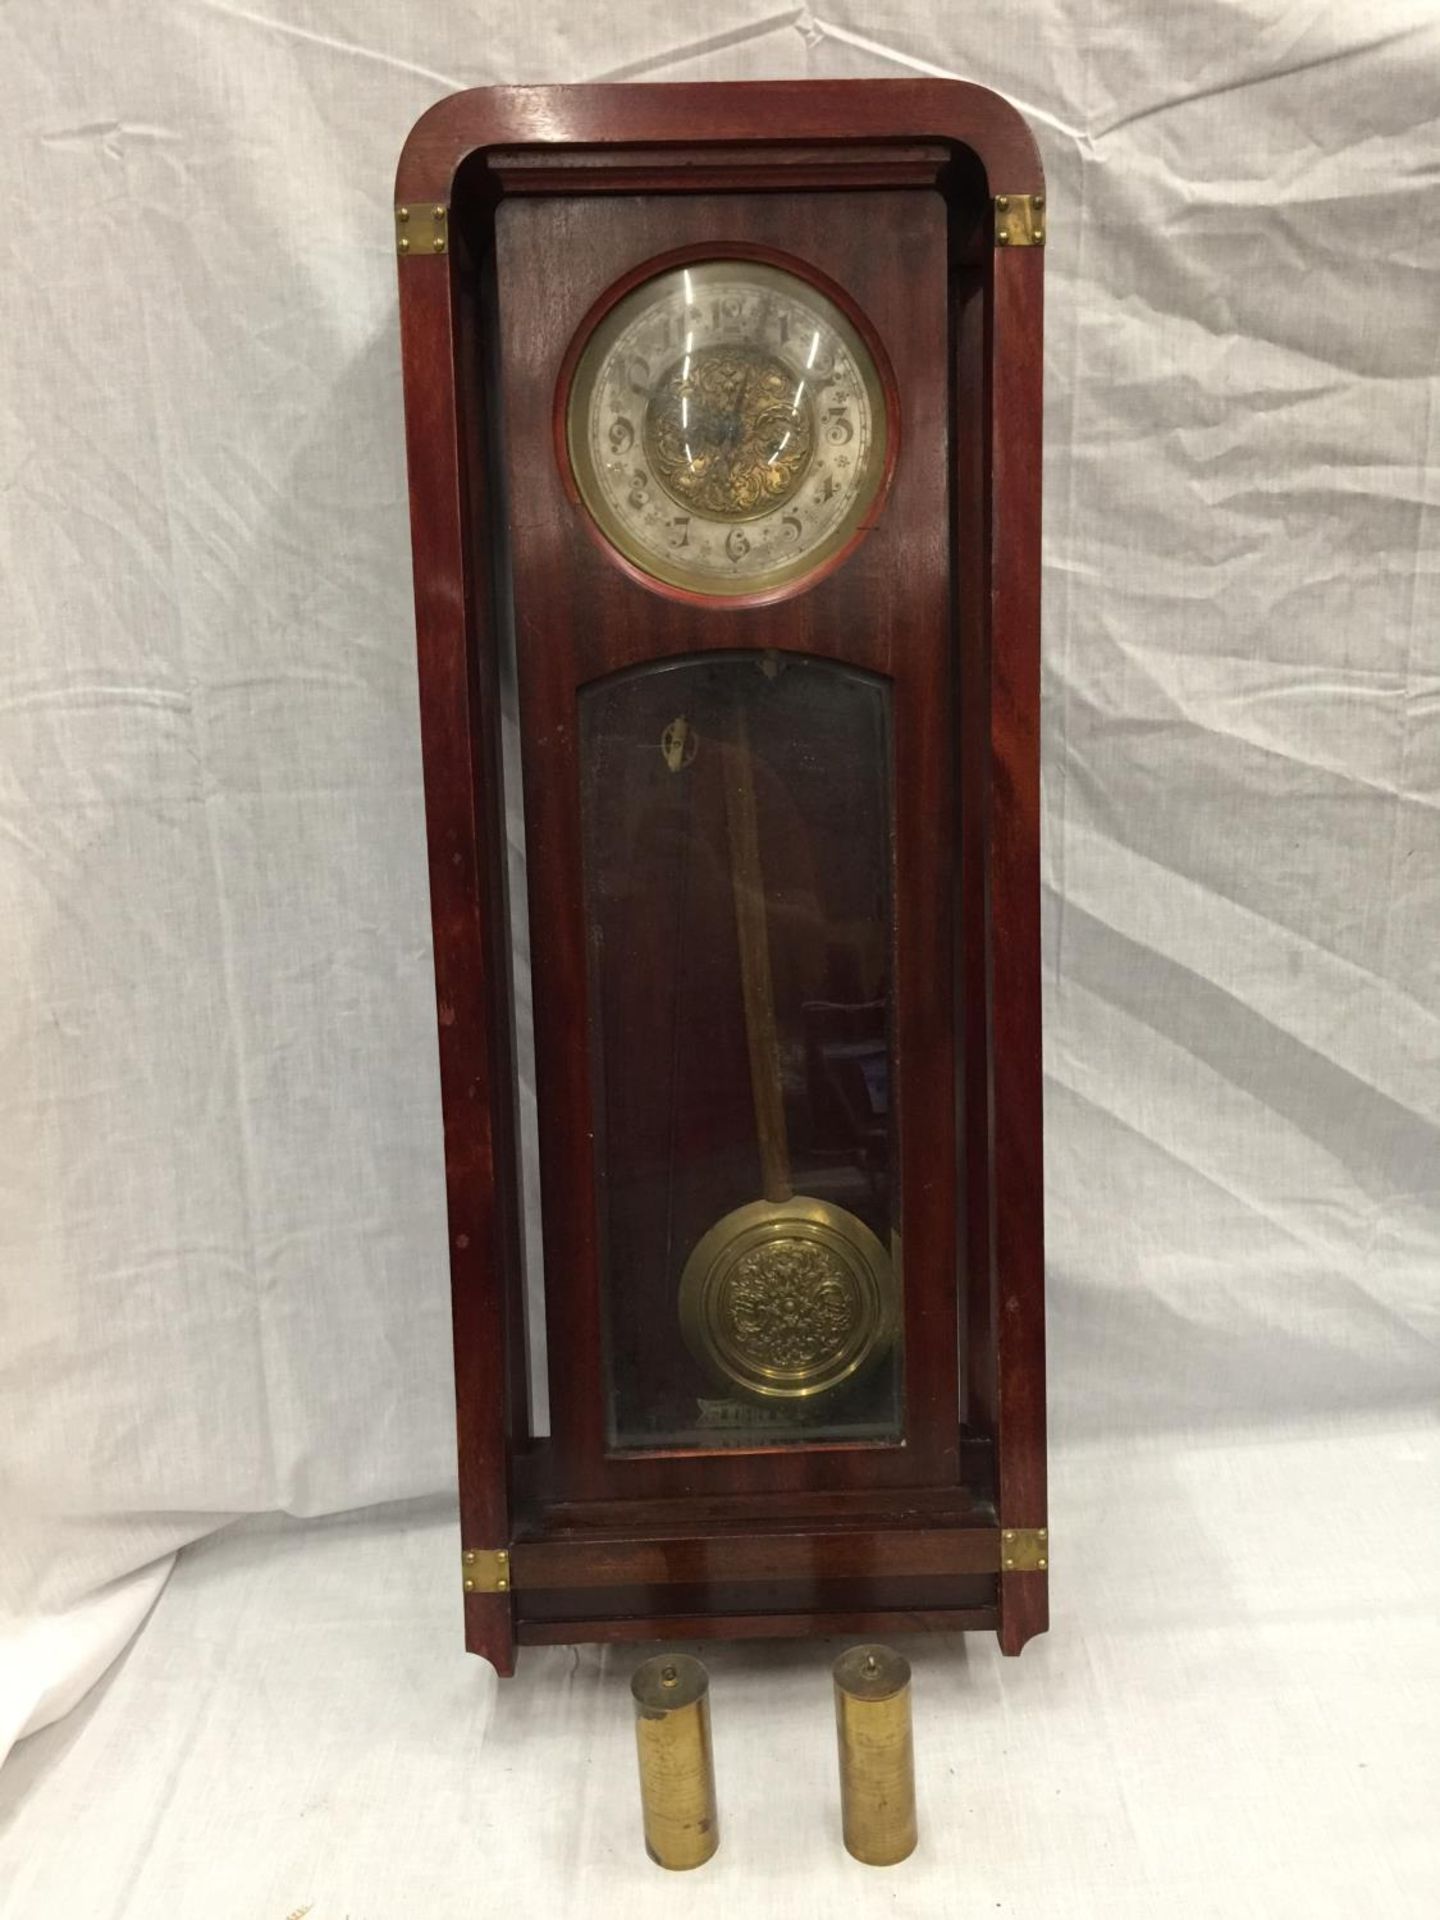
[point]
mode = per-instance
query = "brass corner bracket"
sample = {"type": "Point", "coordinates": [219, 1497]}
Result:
{"type": "Point", "coordinates": [486, 1569]}
{"type": "Point", "coordinates": [1019, 219]}
{"type": "Point", "coordinates": [421, 230]}
{"type": "Point", "coordinates": [1024, 1549]}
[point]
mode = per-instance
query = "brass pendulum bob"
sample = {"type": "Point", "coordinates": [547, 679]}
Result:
{"type": "Point", "coordinates": [786, 1297]}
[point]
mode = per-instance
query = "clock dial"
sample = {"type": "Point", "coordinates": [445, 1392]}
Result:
{"type": "Point", "coordinates": [727, 427]}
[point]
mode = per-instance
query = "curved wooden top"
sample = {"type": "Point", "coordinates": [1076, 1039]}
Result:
{"type": "Point", "coordinates": [678, 114]}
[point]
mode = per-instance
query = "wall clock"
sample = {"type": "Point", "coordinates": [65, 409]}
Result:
{"type": "Point", "coordinates": [723, 419]}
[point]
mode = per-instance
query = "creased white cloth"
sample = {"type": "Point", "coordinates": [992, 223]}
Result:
{"type": "Point", "coordinates": [223, 1280]}
{"type": "Point", "coordinates": [1229, 1717]}
{"type": "Point", "coordinates": [53, 1660]}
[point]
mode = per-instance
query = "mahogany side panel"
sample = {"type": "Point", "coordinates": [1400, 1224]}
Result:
{"type": "Point", "coordinates": [1016, 372]}
{"type": "Point", "coordinates": [459, 717]}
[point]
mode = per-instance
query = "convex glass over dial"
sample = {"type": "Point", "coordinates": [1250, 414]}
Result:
{"type": "Point", "coordinates": [727, 427]}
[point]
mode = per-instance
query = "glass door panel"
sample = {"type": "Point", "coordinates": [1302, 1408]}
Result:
{"type": "Point", "coordinates": [737, 842]}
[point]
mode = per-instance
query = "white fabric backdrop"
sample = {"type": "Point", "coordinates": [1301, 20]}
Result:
{"type": "Point", "coordinates": [221, 1202]}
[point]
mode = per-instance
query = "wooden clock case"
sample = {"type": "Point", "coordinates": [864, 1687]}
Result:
{"type": "Point", "coordinates": [516, 209]}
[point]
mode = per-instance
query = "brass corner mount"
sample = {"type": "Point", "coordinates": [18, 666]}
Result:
{"type": "Point", "coordinates": [421, 229]}
{"type": "Point", "coordinates": [485, 1569]}
{"type": "Point", "coordinates": [1024, 1549]}
{"type": "Point", "coordinates": [1019, 219]}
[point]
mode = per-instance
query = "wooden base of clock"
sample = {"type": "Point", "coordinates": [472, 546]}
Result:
{"type": "Point", "coordinates": [777, 658]}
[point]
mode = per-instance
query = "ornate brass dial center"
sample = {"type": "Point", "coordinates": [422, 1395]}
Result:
{"type": "Point", "coordinates": [729, 432]}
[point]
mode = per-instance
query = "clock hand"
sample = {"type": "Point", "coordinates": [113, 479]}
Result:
{"type": "Point", "coordinates": [739, 415]}
{"type": "Point", "coordinates": [734, 441]}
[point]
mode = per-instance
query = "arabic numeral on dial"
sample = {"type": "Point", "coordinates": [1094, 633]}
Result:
{"type": "Point", "coordinates": [820, 362]}
{"type": "Point", "coordinates": [841, 430]}
{"type": "Point", "coordinates": [680, 530]}
{"type": "Point", "coordinates": [825, 492]}
{"type": "Point", "coordinates": [622, 436]}
{"type": "Point", "coordinates": [638, 496]}
{"type": "Point", "coordinates": [637, 374]}
{"type": "Point", "coordinates": [737, 545]}
{"type": "Point", "coordinates": [791, 522]}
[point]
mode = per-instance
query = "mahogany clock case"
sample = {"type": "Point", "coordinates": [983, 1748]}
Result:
{"type": "Point", "coordinates": [520, 214]}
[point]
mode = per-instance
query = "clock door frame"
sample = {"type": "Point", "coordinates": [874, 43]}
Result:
{"type": "Point", "coordinates": [561, 1541]}
{"type": "Point", "coordinates": [582, 619]}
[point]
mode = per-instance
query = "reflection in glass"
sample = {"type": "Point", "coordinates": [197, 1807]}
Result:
{"type": "Point", "coordinates": [736, 814]}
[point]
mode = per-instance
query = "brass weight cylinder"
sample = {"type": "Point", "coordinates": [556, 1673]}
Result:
{"type": "Point", "coordinates": [877, 1755]}
{"type": "Point", "coordinates": [677, 1767]}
